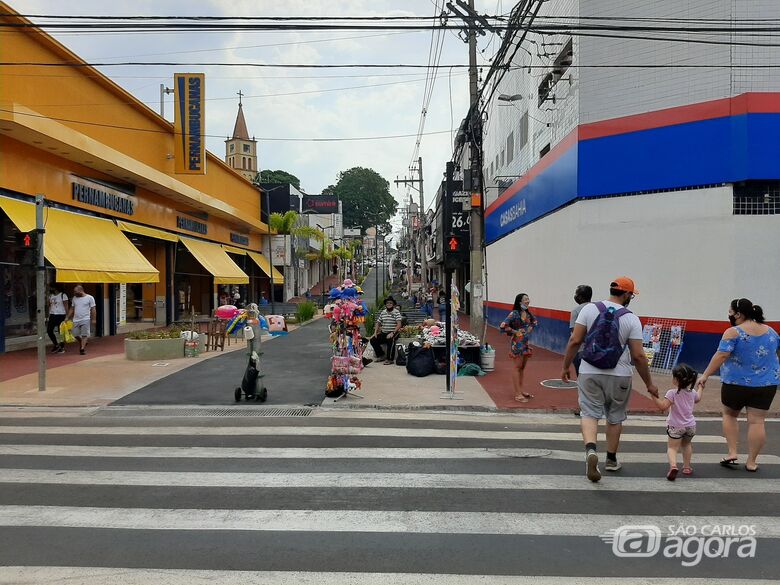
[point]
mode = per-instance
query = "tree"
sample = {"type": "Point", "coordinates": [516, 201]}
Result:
{"type": "Point", "coordinates": [278, 176]}
{"type": "Point", "coordinates": [287, 225]}
{"type": "Point", "coordinates": [365, 197]}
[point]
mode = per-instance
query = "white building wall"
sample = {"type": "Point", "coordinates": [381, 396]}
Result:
{"type": "Point", "coordinates": [687, 253]}
{"type": "Point", "coordinates": [548, 123]}
{"type": "Point", "coordinates": [756, 79]}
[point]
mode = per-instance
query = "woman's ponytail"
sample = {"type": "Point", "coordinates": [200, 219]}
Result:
{"type": "Point", "coordinates": [757, 314]}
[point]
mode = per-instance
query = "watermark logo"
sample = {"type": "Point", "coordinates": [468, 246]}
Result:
{"type": "Point", "coordinates": [689, 543]}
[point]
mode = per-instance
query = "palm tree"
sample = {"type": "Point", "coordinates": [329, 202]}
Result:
{"type": "Point", "coordinates": [289, 225]}
{"type": "Point", "coordinates": [323, 255]}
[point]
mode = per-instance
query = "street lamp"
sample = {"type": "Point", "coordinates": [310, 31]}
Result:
{"type": "Point", "coordinates": [322, 262]}
{"type": "Point", "coordinates": [516, 97]}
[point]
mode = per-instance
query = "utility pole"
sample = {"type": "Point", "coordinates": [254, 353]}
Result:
{"type": "Point", "coordinates": [163, 92]}
{"type": "Point", "coordinates": [40, 291]}
{"type": "Point", "coordinates": [475, 165]}
{"type": "Point", "coordinates": [419, 237]}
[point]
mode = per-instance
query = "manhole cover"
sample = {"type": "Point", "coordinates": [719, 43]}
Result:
{"type": "Point", "coordinates": [558, 384]}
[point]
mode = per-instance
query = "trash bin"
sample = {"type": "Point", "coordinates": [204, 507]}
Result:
{"type": "Point", "coordinates": [488, 359]}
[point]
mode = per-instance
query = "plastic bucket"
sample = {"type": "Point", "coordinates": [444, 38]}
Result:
{"type": "Point", "coordinates": [488, 359]}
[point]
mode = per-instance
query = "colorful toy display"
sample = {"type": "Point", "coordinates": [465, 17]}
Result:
{"type": "Point", "coordinates": [345, 311]}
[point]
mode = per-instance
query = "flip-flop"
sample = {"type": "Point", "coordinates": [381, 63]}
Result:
{"type": "Point", "coordinates": [672, 475]}
{"type": "Point", "coordinates": [687, 470]}
{"type": "Point", "coordinates": [730, 462]}
{"type": "Point", "coordinates": [522, 399]}
{"type": "Point", "coordinates": [527, 395]}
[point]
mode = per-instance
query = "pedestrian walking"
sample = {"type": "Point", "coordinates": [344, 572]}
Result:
{"type": "Point", "coordinates": [82, 312]}
{"type": "Point", "coordinates": [519, 325]}
{"type": "Point", "coordinates": [749, 360]}
{"type": "Point", "coordinates": [58, 309]}
{"type": "Point", "coordinates": [612, 338]}
{"type": "Point", "coordinates": [680, 423]}
{"type": "Point", "coordinates": [427, 307]}
{"type": "Point", "coordinates": [442, 302]}
{"type": "Point", "coordinates": [582, 296]}
{"type": "Point", "coordinates": [388, 324]}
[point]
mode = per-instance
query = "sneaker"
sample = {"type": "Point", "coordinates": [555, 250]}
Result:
{"type": "Point", "coordinates": [61, 349]}
{"type": "Point", "coordinates": [83, 351]}
{"type": "Point", "coordinates": [592, 466]}
{"type": "Point", "coordinates": [55, 349]}
{"type": "Point", "coordinates": [610, 465]}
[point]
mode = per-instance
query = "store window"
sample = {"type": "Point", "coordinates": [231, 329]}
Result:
{"type": "Point", "coordinates": [17, 269]}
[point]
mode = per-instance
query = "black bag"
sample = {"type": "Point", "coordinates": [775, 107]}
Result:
{"type": "Point", "coordinates": [441, 366]}
{"type": "Point", "coordinates": [400, 355]}
{"type": "Point", "coordinates": [420, 361]}
{"type": "Point", "coordinates": [248, 382]}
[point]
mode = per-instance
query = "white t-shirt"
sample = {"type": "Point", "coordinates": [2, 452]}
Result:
{"type": "Point", "coordinates": [630, 328]}
{"type": "Point", "coordinates": [82, 308]}
{"type": "Point", "coordinates": [57, 303]}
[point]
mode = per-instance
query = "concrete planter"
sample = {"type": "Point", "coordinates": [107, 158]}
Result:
{"type": "Point", "coordinates": [154, 349]}
{"type": "Point", "coordinates": [405, 341]}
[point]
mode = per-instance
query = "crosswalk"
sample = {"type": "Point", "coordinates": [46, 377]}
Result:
{"type": "Point", "coordinates": [371, 498]}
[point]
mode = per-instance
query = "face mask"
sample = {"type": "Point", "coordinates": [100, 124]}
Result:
{"type": "Point", "coordinates": [732, 320]}
{"type": "Point", "coordinates": [524, 307]}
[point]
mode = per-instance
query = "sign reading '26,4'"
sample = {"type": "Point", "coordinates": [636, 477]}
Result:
{"type": "Point", "coordinates": [190, 123]}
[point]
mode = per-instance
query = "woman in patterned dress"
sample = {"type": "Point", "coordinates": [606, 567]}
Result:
{"type": "Point", "coordinates": [518, 325]}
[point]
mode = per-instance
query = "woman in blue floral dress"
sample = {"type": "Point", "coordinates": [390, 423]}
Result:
{"type": "Point", "coordinates": [749, 360]}
{"type": "Point", "coordinates": [518, 325]}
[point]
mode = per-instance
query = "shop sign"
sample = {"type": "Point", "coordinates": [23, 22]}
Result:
{"type": "Point", "coordinates": [91, 193]}
{"type": "Point", "coordinates": [239, 239]}
{"type": "Point", "coordinates": [189, 123]}
{"type": "Point", "coordinates": [321, 203]}
{"type": "Point", "coordinates": [191, 225]}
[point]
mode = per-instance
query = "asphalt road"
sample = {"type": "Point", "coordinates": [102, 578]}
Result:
{"type": "Point", "coordinates": [362, 498]}
{"type": "Point", "coordinates": [295, 366]}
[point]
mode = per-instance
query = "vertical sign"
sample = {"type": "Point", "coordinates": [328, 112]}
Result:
{"type": "Point", "coordinates": [190, 123]}
{"type": "Point", "coordinates": [122, 312]}
{"type": "Point", "coordinates": [455, 307]}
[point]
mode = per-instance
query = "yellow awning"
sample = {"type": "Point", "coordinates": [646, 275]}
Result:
{"type": "Point", "coordinates": [214, 259]}
{"type": "Point", "coordinates": [265, 266]}
{"type": "Point", "coordinates": [233, 250]}
{"type": "Point", "coordinates": [84, 248]}
{"type": "Point", "coordinates": [22, 214]}
{"type": "Point", "coordinates": [149, 232]}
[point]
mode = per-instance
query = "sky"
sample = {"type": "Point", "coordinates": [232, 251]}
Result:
{"type": "Point", "coordinates": [390, 109]}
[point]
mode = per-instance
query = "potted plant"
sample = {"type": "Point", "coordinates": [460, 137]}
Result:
{"type": "Point", "coordinates": [408, 334]}
{"type": "Point", "coordinates": [155, 344]}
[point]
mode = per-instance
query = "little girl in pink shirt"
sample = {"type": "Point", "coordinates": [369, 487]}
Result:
{"type": "Point", "coordinates": [680, 424]}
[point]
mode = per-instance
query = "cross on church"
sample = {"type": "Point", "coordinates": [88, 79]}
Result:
{"type": "Point", "coordinates": [240, 95]}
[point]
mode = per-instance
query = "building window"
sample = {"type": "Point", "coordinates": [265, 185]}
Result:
{"type": "Point", "coordinates": [232, 147]}
{"type": "Point", "coordinates": [544, 151]}
{"type": "Point", "coordinates": [249, 162]}
{"type": "Point", "coordinates": [510, 147]}
{"type": "Point", "coordinates": [757, 198]}
{"type": "Point", "coordinates": [243, 162]}
{"type": "Point", "coordinates": [246, 148]}
{"type": "Point", "coordinates": [523, 138]}
{"type": "Point", "coordinates": [497, 165]}
{"type": "Point", "coordinates": [502, 157]}
{"type": "Point", "coordinates": [562, 63]}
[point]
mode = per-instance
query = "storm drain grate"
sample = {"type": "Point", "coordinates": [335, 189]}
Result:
{"type": "Point", "coordinates": [226, 412]}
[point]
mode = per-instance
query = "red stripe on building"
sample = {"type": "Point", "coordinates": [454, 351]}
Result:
{"type": "Point", "coordinates": [692, 325]}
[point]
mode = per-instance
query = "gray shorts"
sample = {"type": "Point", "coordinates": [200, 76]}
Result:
{"type": "Point", "coordinates": [80, 329]}
{"type": "Point", "coordinates": [602, 396]}
{"type": "Point", "coordinates": [681, 432]}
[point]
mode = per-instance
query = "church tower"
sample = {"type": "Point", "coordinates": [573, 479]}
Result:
{"type": "Point", "coordinates": [240, 150]}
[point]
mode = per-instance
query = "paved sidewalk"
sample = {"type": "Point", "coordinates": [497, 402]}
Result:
{"type": "Point", "coordinates": [97, 379]}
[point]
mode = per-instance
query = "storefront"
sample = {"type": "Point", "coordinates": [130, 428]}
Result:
{"type": "Point", "coordinates": [152, 246]}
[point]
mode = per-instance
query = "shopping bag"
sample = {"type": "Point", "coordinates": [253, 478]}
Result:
{"type": "Point", "coordinates": [66, 334]}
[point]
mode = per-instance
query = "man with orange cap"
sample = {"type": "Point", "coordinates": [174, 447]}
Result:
{"type": "Point", "coordinates": [612, 338]}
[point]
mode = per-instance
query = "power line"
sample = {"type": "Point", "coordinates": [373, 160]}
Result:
{"type": "Point", "coordinates": [264, 138]}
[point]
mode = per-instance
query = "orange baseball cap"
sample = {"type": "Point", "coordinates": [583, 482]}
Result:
{"type": "Point", "coordinates": [625, 284]}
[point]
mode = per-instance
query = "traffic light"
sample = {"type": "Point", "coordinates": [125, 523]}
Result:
{"type": "Point", "coordinates": [454, 244]}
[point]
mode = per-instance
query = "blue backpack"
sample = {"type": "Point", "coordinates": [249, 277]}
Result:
{"type": "Point", "coordinates": [602, 348]}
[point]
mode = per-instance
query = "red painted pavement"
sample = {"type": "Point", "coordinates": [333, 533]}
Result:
{"type": "Point", "coordinates": [544, 365]}
{"type": "Point", "coordinates": [19, 363]}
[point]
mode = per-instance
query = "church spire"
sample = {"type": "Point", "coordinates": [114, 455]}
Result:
{"type": "Point", "coordinates": [239, 130]}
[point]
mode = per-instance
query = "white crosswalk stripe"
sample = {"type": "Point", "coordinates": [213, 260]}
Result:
{"type": "Point", "coordinates": [132, 512]}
